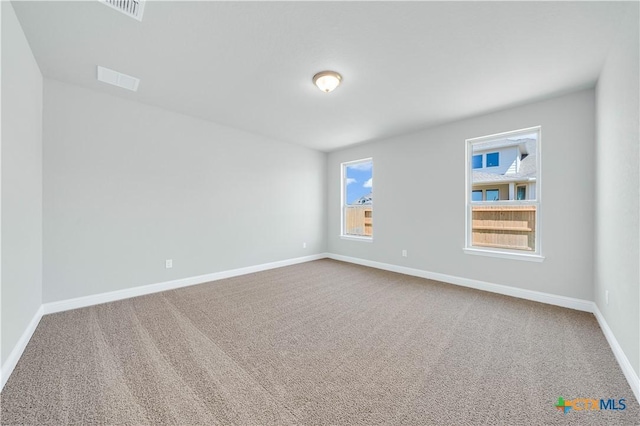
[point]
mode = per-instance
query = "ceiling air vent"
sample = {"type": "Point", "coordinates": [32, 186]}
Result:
{"type": "Point", "coordinates": [132, 8]}
{"type": "Point", "coordinates": [118, 79]}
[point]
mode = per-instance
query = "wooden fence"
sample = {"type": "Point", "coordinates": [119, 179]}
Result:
{"type": "Point", "coordinates": [359, 221]}
{"type": "Point", "coordinates": [510, 227]}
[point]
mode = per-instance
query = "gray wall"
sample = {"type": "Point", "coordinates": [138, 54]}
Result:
{"type": "Point", "coordinates": [617, 258]}
{"type": "Point", "coordinates": [419, 198]}
{"type": "Point", "coordinates": [128, 185]}
{"type": "Point", "coordinates": [21, 182]}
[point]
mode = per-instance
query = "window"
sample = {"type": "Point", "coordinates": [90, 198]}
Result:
{"type": "Point", "coordinates": [492, 195]}
{"type": "Point", "coordinates": [493, 159]}
{"type": "Point", "coordinates": [477, 161]}
{"type": "Point", "coordinates": [485, 195]}
{"type": "Point", "coordinates": [357, 199]}
{"type": "Point", "coordinates": [503, 204]}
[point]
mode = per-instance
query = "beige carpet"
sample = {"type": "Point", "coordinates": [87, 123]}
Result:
{"type": "Point", "coordinates": [317, 343]}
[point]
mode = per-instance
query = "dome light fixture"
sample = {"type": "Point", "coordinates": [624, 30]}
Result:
{"type": "Point", "coordinates": [327, 80]}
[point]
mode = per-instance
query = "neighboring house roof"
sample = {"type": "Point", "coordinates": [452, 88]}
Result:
{"type": "Point", "coordinates": [364, 200]}
{"type": "Point", "coordinates": [527, 169]}
{"type": "Point", "coordinates": [503, 143]}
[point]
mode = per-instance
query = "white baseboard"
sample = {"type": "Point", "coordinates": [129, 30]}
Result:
{"type": "Point", "coordinates": [622, 359]}
{"type": "Point", "coordinates": [551, 299]}
{"type": "Point", "coordinates": [567, 302]}
{"type": "Point", "coordinates": [18, 349]}
{"type": "Point", "coordinates": [537, 296]}
{"type": "Point", "coordinates": [96, 299]}
{"type": "Point", "coordinates": [81, 302]}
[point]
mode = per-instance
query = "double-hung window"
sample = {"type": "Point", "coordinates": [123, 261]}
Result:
{"type": "Point", "coordinates": [503, 197]}
{"type": "Point", "coordinates": [357, 199]}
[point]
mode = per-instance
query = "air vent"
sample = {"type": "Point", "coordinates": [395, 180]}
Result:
{"type": "Point", "coordinates": [132, 8]}
{"type": "Point", "coordinates": [118, 79]}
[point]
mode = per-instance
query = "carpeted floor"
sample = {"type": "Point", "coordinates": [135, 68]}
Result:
{"type": "Point", "coordinates": [318, 343]}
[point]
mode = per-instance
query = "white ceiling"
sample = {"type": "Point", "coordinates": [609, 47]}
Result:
{"type": "Point", "coordinates": [405, 66]}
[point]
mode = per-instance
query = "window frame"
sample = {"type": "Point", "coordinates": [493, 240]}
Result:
{"type": "Point", "coordinates": [343, 204]}
{"type": "Point", "coordinates": [535, 256]}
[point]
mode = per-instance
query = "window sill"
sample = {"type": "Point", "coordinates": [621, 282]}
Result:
{"type": "Point", "coordinates": [354, 238]}
{"type": "Point", "coordinates": [504, 254]}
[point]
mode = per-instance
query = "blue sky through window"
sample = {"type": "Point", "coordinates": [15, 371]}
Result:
{"type": "Point", "coordinates": [359, 180]}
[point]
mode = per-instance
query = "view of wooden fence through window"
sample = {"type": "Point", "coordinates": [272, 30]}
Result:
{"type": "Point", "coordinates": [357, 202]}
{"type": "Point", "coordinates": [503, 198]}
{"type": "Point", "coordinates": [511, 227]}
{"type": "Point", "coordinates": [358, 220]}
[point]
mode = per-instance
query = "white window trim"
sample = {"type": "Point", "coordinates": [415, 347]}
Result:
{"type": "Point", "coordinates": [504, 254]}
{"type": "Point", "coordinates": [343, 193]}
{"type": "Point", "coordinates": [499, 252]}
{"type": "Point", "coordinates": [363, 239]}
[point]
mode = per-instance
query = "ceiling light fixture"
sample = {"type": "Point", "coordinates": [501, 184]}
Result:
{"type": "Point", "coordinates": [327, 80]}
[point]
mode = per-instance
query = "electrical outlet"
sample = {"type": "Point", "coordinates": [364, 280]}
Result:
{"type": "Point", "coordinates": [168, 263]}
{"type": "Point", "coordinates": [606, 297]}
{"type": "Point", "coordinates": [304, 245]}
{"type": "Point", "coordinates": [404, 253]}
